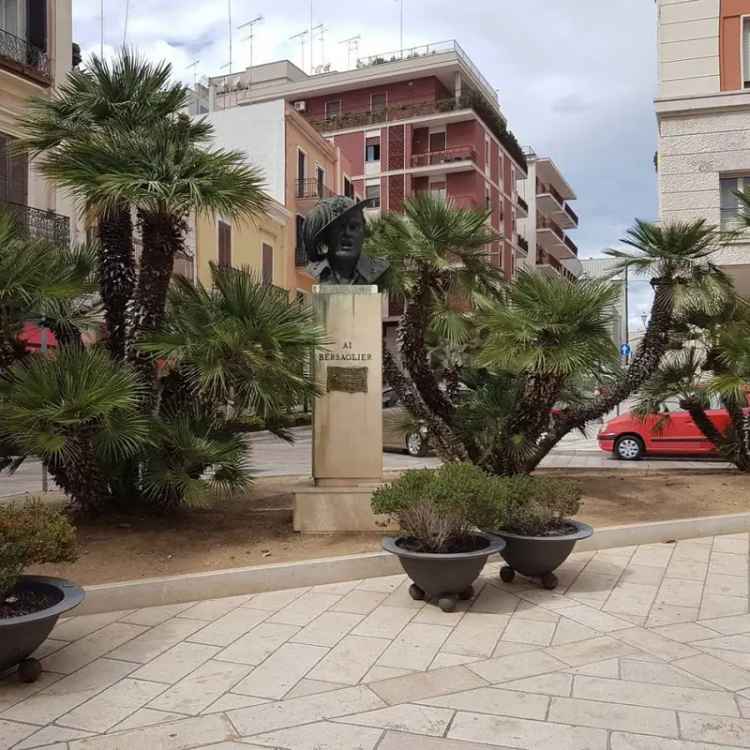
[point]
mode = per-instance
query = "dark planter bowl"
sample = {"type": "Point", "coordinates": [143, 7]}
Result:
{"type": "Point", "coordinates": [539, 556]}
{"type": "Point", "coordinates": [444, 578]}
{"type": "Point", "coordinates": [21, 636]}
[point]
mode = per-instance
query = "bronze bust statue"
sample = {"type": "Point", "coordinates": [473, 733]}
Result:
{"type": "Point", "coordinates": [333, 234]}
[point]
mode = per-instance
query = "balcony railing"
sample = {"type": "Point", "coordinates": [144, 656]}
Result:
{"type": "Point", "coordinates": [543, 223]}
{"type": "Point", "coordinates": [523, 205]}
{"type": "Point", "coordinates": [544, 188]}
{"type": "Point", "coordinates": [571, 245]}
{"type": "Point", "coordinates": [38, 224]}
{"type": "Point", "coordinates": [544, 259]}
{"type": "Point", "coordinates": [523, 244]}
{"type": "Point", "coordinates": [573, 215]}
{"type": "Point", "coordinates": [311, 189]}
{"type": "Point", "coordinates": [436, 48]}
{"type": "Point", "coordinates": [23, 57]}
{"type": "Point", "coordinates": [459, 153]}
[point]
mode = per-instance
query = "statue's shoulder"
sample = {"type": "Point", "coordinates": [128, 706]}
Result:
{"type": "Point", "coordinates": [318, 269]}
{"type": "Point", "coordinates": [371, 269]}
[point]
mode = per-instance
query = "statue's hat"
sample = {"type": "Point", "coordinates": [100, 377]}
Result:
{"type": "Point", "coordinates": [324, 215]}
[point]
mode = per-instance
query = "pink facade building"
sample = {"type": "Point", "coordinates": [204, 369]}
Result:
{"type": "Point", "coordinates": [423, 119]}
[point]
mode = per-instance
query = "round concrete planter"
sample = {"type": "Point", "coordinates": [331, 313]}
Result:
{"type": "Point", "coordinates": [539, 556]}
{"type": "Point", "coordinates": [443, 578]}
{"type": "Point", "coordinates": [21, 636]}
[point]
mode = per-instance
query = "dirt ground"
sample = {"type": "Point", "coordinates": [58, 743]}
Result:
{"type": "Point", "coordinates": [257, 528]}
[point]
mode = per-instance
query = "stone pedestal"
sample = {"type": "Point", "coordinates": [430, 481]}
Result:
{"type": "Point", "coordinates": [347, 416]}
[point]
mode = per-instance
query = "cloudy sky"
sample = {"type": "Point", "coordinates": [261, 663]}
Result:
{"type": "Point", "coordinates": [576, 78]}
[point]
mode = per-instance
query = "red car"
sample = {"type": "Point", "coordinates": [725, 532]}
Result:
{"type": "Point", "coordinates": [673, 433]}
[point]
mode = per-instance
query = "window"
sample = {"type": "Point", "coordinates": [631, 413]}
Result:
{"type": "Point", "coordinates": [348, 188]}
{"type": "Point", "coordinates": [13, 17]}
{"type": "Point", "coordinates": [267, 272]}
{"type": "Point", "coordinates": [487, 153]}
{"type": "Point", "coordinates": [225, 245]}
{"type": "Point", "coordinates": [320, 175]}
{"type": "Point", "coordinates": [333, 109]}
{"type": "Point", "coordinates": [372, 149]}
{"type": "Point", "coordinates": [300, 256]}
{"type": "Point", "coordinates": [301, 173]}
{"type": "Point", "coordinates": [14, 173]}
{"type": "Point", "coordinates": [437, 142]}
{"type": "Point", "coordinates": [372, 193]}
{"type": "Point", "coordinates": [377, 103]}
{"type": "Point", "coordinates": [746, 53]}
{"type": "Point", "coordinates": [732, 209]}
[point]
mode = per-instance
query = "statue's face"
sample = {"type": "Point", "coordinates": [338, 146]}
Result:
{"type": "Point", "coordinates": [345, 237]}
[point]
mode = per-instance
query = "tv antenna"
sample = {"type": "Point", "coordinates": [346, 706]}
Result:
{"type": "Point", "coordinates": [352, 47]}
{"type": "Point", "coordinates": [194, 66]}
{"type": "Point", "coordinates": [229, 19]}
{"type": "Point", "coordinates": [251, 33]}
{"type": "Point", "coordinates": [302, 36]}
{"type": "Point", "coordinates": [320, 29]}
{"type": "Point", "coordinates": [125, 27]}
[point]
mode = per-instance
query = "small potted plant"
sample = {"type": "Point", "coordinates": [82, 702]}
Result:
{"type": "Point", "coordinates": [440, 547]}
{"type": "Point", "coordinates": [31, 605]}
{"type": "Point", "coordinates": [535, 519]}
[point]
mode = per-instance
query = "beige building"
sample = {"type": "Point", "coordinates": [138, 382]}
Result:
{"type": "Point", "coordinates": [703, 111]}
{"type": "Point", "coordinates": [36, 53]}
{"type": "Point", "coordinates": [547, 195]}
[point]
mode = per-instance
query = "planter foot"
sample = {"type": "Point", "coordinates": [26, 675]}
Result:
{"type": "Point", "coordinates": [447, 603]}
{"type": "Point", "coordinates": [467, 594]}
{"type": "Point", "coordinates": [549, 581]}
{"type": "Point", "coordinates": [507, 574]}
{"type": "Point", "coordinates": [416, 593]}
{"type": "Point", "coordinates": [29, 670]}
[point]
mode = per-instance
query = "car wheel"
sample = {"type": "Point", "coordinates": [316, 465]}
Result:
{"type": "Point", "coordinates": [415, 445]}
{"type": "Point", "coordinates": [629, 448]}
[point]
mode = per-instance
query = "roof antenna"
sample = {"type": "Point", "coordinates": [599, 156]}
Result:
{"type": "Point", "coordinates": [352, 47]}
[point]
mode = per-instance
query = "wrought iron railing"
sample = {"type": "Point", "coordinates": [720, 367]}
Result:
{"type": "Point", "coordinates": [39, 224]}
{"type": "Point", "coordinates": [523, 244]}
{"type": "Point", "coordinates": [523, 205]}
{"type": "Point", "coordinates": [458, 153]}
{"type": "Point", "coordinates": [544, 223]}
{"type": "Point", "coordinates": [310, 188]}
{"type": "Point", "coordinates": [23, 55]}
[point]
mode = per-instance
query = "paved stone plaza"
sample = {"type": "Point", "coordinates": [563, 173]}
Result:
{"type": "Point", "coordinates": [642, 648]}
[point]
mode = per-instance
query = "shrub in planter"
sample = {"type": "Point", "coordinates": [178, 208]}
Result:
{"type": "Point", "coordinates": [534, 518]}
{"type": "Point", "coordinates": [30, 605]}
{"type": "Point", "coordinates": [440, 548]}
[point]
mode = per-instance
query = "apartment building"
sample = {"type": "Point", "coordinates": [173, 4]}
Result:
{"type": "Point", "coordinates": [547, 196]}
{"type": "Point", "coordinates": [300, 168]}
{"type": "Point", "coordinates": [703, 112]}
{"type": "Point", "coordinates": [606, 268]}
{"type": "Point", "coordinates": [36, 53]}
{"type": "Point", "coordinates": [423, 119]}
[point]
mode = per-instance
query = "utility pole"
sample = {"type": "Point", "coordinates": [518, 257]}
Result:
{"type": "Point", "coordinates": [101, 28]}
{"type": "Point", "coordinates": [125, 28]}
{"type": "Point", "coordinates": [311, 40]}
{"type": "Point", "coordinates": [43, 342]}
{"type": "Point", "coordinates": [402, 26]}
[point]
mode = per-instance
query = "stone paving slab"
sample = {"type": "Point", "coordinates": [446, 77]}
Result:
{"type": "Point", "coordinates": [641, 648]}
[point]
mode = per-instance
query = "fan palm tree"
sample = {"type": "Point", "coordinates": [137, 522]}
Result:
{"type": "Point", "coordinates": [77, 411]}
{"type": "Point", "coordinates": [126, 95]}
{"type": "Point", "coordinates": [44, 284]}
{"type": "Point", "coordinates": [438, 256]}
{"type": "Point", "coordinates": [166, 173]}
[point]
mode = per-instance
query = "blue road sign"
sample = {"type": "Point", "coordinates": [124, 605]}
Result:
{"type": "Point", "coordinates": [625, 350]}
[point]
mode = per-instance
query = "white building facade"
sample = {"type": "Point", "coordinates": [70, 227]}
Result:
{"type": "Point", "coordinates": [703, 112]}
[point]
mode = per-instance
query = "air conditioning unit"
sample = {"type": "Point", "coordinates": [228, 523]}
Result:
{"type": "Point", "coordinates": [300, 106]}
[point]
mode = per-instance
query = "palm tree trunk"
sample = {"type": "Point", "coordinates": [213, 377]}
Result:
{"type": "Point", "coordinates": [739, 445]}
{"type": "Point", "coordinates": [447, 445]}
{"type": "Point", "coordinates": [117, 274]}
{"type": "Point", "coordinates": [645, 363]}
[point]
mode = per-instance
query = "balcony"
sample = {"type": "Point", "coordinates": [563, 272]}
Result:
{"type": "Point", "coordinates": [523, 208]}
{"type": "Point", "coordinates": [38, 224]}
{"type": "Point", "coordinates": [363, 117]}
{"type": "Point", "coordinates": [18, 55]}
{"type": "Point", "coordinates": [550, 266]}
{"type": "Point", "coordinates": [552, 204]}
{"type": "Point", "coordinates": [523, 245]}
{"type": "Point", "coordinates": [312, 190]}
{"type": "Point", "coordinates": [447, 157]}
{"type": "Point", "coordinates": [571, 245]}
{"type": "Point", "coordinates": [553, 240]}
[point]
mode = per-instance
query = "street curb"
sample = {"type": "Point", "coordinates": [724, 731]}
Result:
{"type": "Point", "coordinates": [151, 592]}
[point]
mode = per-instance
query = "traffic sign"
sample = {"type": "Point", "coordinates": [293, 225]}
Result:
{"type": "Point", "coordinates": [625, 350]}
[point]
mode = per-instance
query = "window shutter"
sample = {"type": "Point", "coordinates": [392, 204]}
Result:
{"type": "Point", "coordinates": [36, 13]}
{"type": "Point", "coordinates": [225, 245]}
{"type": "Point", "coordinates": [4, 168]}
{"type": "Point", "coordinates": [267, 265]}
{"type": "Point", "coordinates": [18, 187]}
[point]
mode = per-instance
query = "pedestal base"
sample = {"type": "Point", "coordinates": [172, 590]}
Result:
{"type": "Point", "coordinates": [329, 510]}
